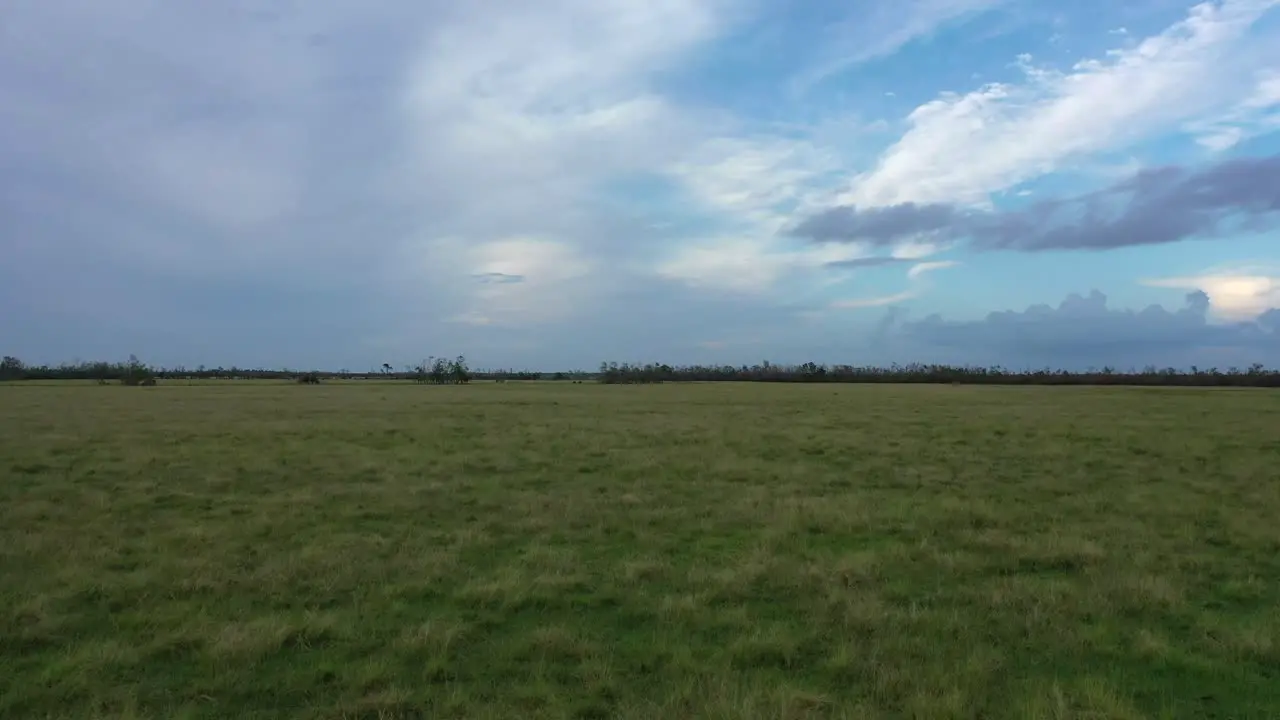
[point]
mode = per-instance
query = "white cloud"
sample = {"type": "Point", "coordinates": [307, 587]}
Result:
{"type": "Point", "coordinates": [758, 186]}
{"type": "Point", "coordinates": [961, 148]}
{"type": "Point", "coordinates": [920, 268]}
{"type": "Point", "coordinates": [736, 265]}
{"type": "Point", "coordinates": [754, 265]}
{"type": "Point", "coordinates": [543, 280]}
{"type": "Point", "coordinates": [880, 30]}
{"type": "Point", "coordinates": [918, 247]}
{"type": "Point", "coordinates": [1257, 114]}
{"type": "Point", "coordinates": [517, 108]}
{"type": "Point", "coordinates": [550, 288]}
{"type": "Point", "coordinates": [514, 118]}
{"type": "Point", "coordinates": [1221, 138]}
{"type": "Point", "coordinates": [879, 301]}
{"type": "Point", "coordinates": [515, 83]}
{"type": "Point", "coordinates": [919, 285]}
{"type": "Point", "coordinates": [753, 186]}
{"type": "Point", "coordinates": [757, 182]}
{"type": "Point", "coordinates": [1267, 94]}
{"type": "Point", "coordinates": [1234, 293]}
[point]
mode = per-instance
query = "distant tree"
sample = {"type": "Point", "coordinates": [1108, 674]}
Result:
{"type": "Point", "coordinates": [137, 373]}
{"type": "Point", "coordinates": [458, 371]}
{"type": "Point", "coordinates": [435, 370]}
{"type": "Point", "coordinates": [11, 368]}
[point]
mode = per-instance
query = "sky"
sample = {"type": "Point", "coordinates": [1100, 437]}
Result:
{"type": "Point", "coordinates": [338, 184]}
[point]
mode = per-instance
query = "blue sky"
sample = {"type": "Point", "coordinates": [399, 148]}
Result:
{"type": "Point", "coordinates": [547, 185]}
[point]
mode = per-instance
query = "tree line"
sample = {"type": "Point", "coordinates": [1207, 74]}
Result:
{"type": "Point", "coordinates": [433, 370]}
{"type": "Point", "coordinates": [444, 371]}
{"type": "Point", "coordinates": [1255, 375]}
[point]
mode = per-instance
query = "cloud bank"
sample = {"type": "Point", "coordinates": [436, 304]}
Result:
{"type": "Point", "coordinates": [1156, 206]}
{"type": "Point", "coordinates": [1082, 331]}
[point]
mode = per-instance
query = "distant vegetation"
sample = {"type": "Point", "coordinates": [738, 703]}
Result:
{"type": "Point", "coordinates": [132, 372]}
{"type": "Point", "coordinates": [436, 371]}
{"type": "Point", "coordinates": [443, 371]}
{"type": "Point", "coordinates": [1254, 376]}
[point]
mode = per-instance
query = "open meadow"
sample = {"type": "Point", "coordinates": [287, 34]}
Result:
{"type": "Point", "coordinates": [530, 550]}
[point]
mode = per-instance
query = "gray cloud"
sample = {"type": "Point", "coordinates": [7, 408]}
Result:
{"type": "Point", "coordinates": [357, 156]}
{"type": "Point", "coordinates": [1083, 331]}
{"type": "Point", "coordinates": [893, 316]}
{"type": "Point", "coordinates": [1155, 206]}
{"type": "Point", "coordinates": [879, 225]}
{"type": "Point", "coordinates": [867, 262]}
{"type": "Point", "coordinates": [498, 278]}
{"type": "Point", "coordinates": [1270, 320]}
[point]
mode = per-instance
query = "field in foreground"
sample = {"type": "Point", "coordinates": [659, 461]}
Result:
{"type": "Point", "coordinates": [723, 551]}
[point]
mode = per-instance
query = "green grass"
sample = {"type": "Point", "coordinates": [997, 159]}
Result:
{"type": "Point", "coordinates": [535, 550]}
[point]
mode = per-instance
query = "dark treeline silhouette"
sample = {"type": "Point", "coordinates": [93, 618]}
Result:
{"type": "Point", "coordinates": [442, 371]}
{"type": "Point", "coordinates": [433, 370]}
{"type": "Point", "coordinates": [131, 372]}
{"type": "Point", "coordinates": [439, 371]}
{"type": "Point", "coordinates": [635, 373]}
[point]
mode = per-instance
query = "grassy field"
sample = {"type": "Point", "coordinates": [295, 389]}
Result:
{"type": "Point", "coordinates": [241, 550]}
